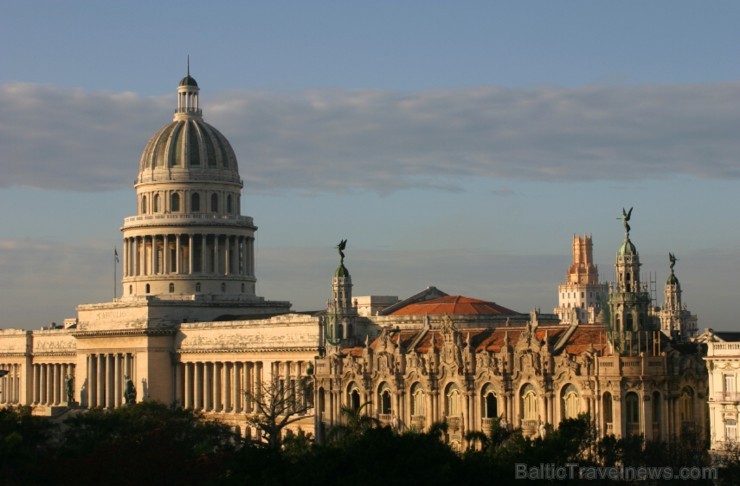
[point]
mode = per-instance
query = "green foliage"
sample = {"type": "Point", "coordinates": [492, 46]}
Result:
{"type": "Point", "coordinates": [23, 439]}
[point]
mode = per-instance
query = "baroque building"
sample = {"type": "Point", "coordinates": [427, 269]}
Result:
{"type": "Point", "coordinates": [190, 329]}
{"type": "Point", "coordinates": [468, 363]}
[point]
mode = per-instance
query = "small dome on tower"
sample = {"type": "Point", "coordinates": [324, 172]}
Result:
{"type": "Point", "coordinates": [341, 271]}
{"type": "Point", "coordinates": [627, 248]}
{"type": "Point", "coordinates": [672, 280]}
{"type": "Point", "coordinates": [188, 81]}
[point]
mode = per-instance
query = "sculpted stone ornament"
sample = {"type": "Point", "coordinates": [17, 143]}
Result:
{"type": "Point", "coordinates": [69, 389]}
{"type": "Point", "coordinates": [129, 391]}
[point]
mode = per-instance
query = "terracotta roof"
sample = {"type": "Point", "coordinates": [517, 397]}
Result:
{"type": "Point", "coordinates": [453, 304]}
{"type": "Point", "coordinates": [586, 336]}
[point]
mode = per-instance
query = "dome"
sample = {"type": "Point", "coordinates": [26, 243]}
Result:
{"type": "Point", "coordinates": [188, 81]}
{"type": "Point", "coordinates": [672, 280]}
{"type": "Point", "coordinates": [188, 147]}
{"type": "Point", "coordinates": [189, 144]}
{"type": "Point", "coordinates": [341, 271]}
{"type": "Point", "coordinates": [627, 248]}
{"type": "Point", "coordinates": [453, 304]}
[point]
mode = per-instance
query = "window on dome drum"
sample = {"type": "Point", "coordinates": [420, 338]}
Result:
{"type": "Point", "coordinates": [223, 287]}
{"type": "Point", "coordinates": [130, 289]}
{"type": "Point", "coordinates": [147, 288]}
{"type": "Point", "coordinates": [175, 203]}
{"type": "Point", "coordinates": [143, 204]}
{"type": "Point", "coordinates": [228, 204]}
{"type": "Point", "coordinates": [172, 288]}
{"type": "Point", "coordinates": [242, 288]}
{"type": "Point", "coordinates": [195, 202]}
{"type": "Point", "coordinates": [197, 287]}
{"type": "Point", "coordinates": [214, 203]}
{"type": "Point", "coordinates": [156, 204]}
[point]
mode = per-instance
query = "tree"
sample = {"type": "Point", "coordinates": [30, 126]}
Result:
{"type": "Point", "coordinates": [353, 424]}
{"type": "Point", "coordinates": [275, 407]}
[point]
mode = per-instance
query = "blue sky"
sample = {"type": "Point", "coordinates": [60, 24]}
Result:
{"type": "Point", "coordinates": [456, 144]}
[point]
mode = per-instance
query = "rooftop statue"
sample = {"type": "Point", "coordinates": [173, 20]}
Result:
{"type": "Point", "coordinates": [673, 260]}
{"type": "Point", "coordinates": [625, 218]}
{"type": "Point", "coordinates": [341, 246]}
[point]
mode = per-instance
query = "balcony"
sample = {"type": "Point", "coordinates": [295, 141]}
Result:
{"type": "Point", "coordinates": [418, 422]}
{"type": "Point", "coordinates": [609, 428]}
{"type": "Point", "coordinates": [633, 429]}
{"type": "Point", "coordinates": [186, 218]}
{"type": "Point", "coordinates": [727, 397]}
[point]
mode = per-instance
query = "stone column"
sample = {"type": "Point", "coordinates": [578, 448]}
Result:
{"type": "Point", "coordinates": [249, 385]}
{"type": "Point", "coordinates": [198, 386]}
{"type": "Point", "coordinates": [55, 389]}
{"type": "Point", "coordinates": [101, 380]}
{"type": "Point", "coordinates": [91, 381]}
{"type": "Point", "coordinates": [36, 384]}
{"type": "Point", "coordinates": [218, 404]}
{"type": "Point", "coordinates": [178, 254]}
{"type": "Point", "coordinates": [118, 387]}
{"type": "Point", "coordinates": [216, 255]}
{"type": "Point", "coordinates": [203, 266]}
{"type": "Point", "coordinates": [237, 380]}
{"type": "Point", "coordinates": [110, 378]}
{"type": "Point", "coordinates": [227, 254]}
{"type": "Point", "coordinates": [208, 386]}
{"type": "Point", "coordinates": [227, 387]}
{"type": "Point", "coordinates": [165, 254]}
{"type": "Point", "coordinates": [187, 401]}
{"type": "Point", "coordinates": [191, 252]}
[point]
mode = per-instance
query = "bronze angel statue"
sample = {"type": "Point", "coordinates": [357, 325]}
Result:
{"type": "Point", "coordinates": [341, 246]}
{"type": "Point", "coordinates": [625, 218]}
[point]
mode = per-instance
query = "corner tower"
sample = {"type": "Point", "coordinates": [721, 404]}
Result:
{"type": "Point", "coordinates": [188, 240]}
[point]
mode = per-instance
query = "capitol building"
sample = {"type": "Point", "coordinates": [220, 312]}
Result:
{"type": "Point", "coordinates": [189, 329]}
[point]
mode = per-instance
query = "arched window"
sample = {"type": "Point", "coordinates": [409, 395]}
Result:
{"type": "Point", "coordinates": [353, 397]}
{"type": "Point", "coordinates": [418, 400]}
{"type": "Point", "coordinates": [607, 404]}
{"type": "Point", "coordinates": [214, 203]}
{"type": "Point", "coordinates": [452, 400]}
{"type": "Point", "coordinates": [384, 398]}
{"type": "Point", "coordinates": [175, 203]}
{"type": "Point", "coordinates": [632, 413]}
{"type": "Point", "coordinates": [228, 204]}
{"type": "Point", "coordinates": [490, 404]}
{"type": "Point", "coordinates": [130, 289]}
{"type": "Point", "coordinates": [143, 205]}
{"type": "Point", "coordinates": [172, 287]}
{"type": "Point", "coordinates": [195, 202]}
{"type": "Point", "coordinates": [687, 405]}
{"type": "Point", "coordinates": [569, 402]}
{"type": "Point", "coordinates": [155, 209]}
{"type": "Point", "coordinates": [529, 403]}
{"type": "Point", "coordinates": [656, 415]}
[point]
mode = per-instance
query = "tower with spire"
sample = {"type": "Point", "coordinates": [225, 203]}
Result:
{"type": "Point", "coordinates": [581, 296]}
{"type": "Point", "coordinates": [675, 320]}
{"type": "Point", "coordinates": [630, 325]}
{"type": "Point", "coordinates": [340, 312]}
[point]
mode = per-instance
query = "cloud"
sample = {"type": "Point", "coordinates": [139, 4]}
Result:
{"type": "Point", "coordinates": [334, 140]}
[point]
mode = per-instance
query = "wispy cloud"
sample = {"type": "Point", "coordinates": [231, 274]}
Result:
{"type": "Point", "coordinates": [384, 140]}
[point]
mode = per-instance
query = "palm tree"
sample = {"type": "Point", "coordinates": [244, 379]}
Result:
{"type": "Point", "coordinates": [353, 424]}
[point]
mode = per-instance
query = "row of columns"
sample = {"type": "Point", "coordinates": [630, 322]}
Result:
{"type": "Point", "coordinates": [186, 254]}
{"type": "Point", "coordinates": [10, 384]}
{"type": "Point", "coordinates": [49, 383]}
{"type": "Point", "coordinates": [226, 387]}
{"type": "Point", "coordinates": [106, 375]}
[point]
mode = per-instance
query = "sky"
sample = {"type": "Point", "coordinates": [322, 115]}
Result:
{"type": "Point", "coordinates": [456, 144]}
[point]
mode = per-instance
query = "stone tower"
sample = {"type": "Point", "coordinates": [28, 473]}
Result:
{"type": "Point", "coordinates": [340, 311]}
{"type": "Point", "coordinates": [580, 297]}
{"type": "Point", "coordinates": [629, 301]}
{"type": "Point", "coordinates": [675, 320]}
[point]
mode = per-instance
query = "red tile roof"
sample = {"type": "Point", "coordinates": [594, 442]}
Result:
{"type": "Point", "coordinates": [453, 304]}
